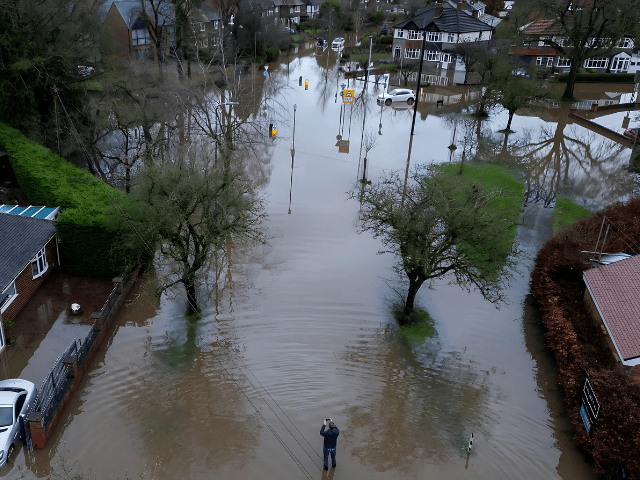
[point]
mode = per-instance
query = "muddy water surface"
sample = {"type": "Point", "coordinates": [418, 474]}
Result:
{"type": "Point", "coordinates": [300, 331]}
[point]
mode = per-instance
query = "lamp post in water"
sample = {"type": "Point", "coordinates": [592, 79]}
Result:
{"type": "Point", "coordinates": [293, 153]}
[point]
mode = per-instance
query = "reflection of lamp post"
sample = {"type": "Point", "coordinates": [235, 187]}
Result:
{"type": "Point", "coordinates": [381, 106]}
{"type": "Point", "coordinates": [293, 153]}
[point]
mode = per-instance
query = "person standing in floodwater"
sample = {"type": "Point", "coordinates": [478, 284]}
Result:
{"type": "Point", "coordinates": [330, 442]}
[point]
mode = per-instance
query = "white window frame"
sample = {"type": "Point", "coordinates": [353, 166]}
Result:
{"type": "Point", "coordinates": [415, 35]}
{"type": "Point", "coordinates": [11, 286]}
{"type": "Point", "coordinates": [451, 38]}
{"type": "Point", "coordinates": [432, 56]}
{"type": "Point", "coordinates": [39, 264]}
{"type": "Point", "coordinates": [596, 63]}
{"type": "Point", "coordinates": [433, 36]}
{"type": "Point", "coordinates": [399, 33]}
{"type": "Point", "coordinates": [412, 53]}
{"type": "Point", "coordinates": [446, 58]}
{"type": "Point", "coordinates": [563, 62]}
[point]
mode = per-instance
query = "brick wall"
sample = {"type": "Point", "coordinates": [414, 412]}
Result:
{"type": "Point", "coordinates": [115, 34]}
{"type": "Point", "coordinates": [26, 285]}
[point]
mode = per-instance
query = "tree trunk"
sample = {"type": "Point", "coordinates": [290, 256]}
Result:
{"type": "Point", "coordinates": [192, 300]}
{"type": "Point", "coordinates": [511, 114]}
{"type": "Point", "coordinates": [571, 81]}
{"type": "Point", "coordinates": [414, 285]}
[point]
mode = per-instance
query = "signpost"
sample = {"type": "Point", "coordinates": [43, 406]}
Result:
{"type": "Point", "coordinates": [590, 408]}
{"type": "Point", "coordinates": [343, 146]}
{"type": "Point", "coordinates": [348, 96]}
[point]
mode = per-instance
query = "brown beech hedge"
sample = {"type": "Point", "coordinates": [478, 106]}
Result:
{"type": "Point", "coordinates": [579, 344]}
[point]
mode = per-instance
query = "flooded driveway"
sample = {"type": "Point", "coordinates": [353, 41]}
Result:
{"type": "Point", "coordinates": [300, 330]}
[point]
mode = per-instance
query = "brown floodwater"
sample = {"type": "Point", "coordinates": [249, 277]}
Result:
{"type": "Point", "coordinates": [299, 330]}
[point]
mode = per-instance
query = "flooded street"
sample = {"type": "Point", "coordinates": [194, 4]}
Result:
{"type": "Point", "coordinates": [300, 329]}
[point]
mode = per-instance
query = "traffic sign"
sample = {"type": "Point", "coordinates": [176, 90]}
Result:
{"type": "Point", "coordinates": [265, 73]}
{"type": "Point", "coordinates": [348, 96]}
{"type": "Point", "coordinates": [266, 67]}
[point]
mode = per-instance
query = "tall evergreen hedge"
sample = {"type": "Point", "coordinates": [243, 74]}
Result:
{"type": "Point", "coordinates": [89, 239]}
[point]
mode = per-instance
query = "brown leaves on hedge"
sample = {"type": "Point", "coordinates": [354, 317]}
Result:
{"type": "Point", "coordinates": [579, 345]}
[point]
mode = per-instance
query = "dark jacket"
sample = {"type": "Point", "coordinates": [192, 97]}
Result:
{"type": "Point", "coordinates": [330, 436]}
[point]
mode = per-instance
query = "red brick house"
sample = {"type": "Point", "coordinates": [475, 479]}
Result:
{"type": "Point", "coordinates": [613, 296]}
{"type": "Point", "coordinates": [28, 252]}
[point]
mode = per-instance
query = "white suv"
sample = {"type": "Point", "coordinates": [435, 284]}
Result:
{"type": "Point", "coordinates": [396, 96]}
{"type": "Point", "coordinates": [338, 43]}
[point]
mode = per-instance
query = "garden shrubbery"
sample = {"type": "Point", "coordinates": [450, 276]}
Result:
{"type": "Point", "coordinates": [600, 77]}
{"type": "Point", "coordinates": [579, 345]}
{"type": "Point", "coordinates": [88, 238]}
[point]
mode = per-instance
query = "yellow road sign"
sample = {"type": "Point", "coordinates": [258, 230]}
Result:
{"type": "Point", "coordinates": [348, 96]}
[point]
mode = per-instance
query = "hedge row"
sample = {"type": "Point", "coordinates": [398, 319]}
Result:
{"type": "Point", "coordinates": [600, 77]}
{"type": "Point", "coordinates": [87, 241]}
{"type": "Point", "coordinates": [578, 344]}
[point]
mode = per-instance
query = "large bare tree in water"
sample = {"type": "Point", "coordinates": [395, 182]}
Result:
{"type": "Point", "coordinates": [194, 206]}
{"type": "Point", "coordinates": [438, 227]}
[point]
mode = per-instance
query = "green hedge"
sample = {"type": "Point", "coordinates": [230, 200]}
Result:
{"type": "Point", "coordinates": [600, 77]}
{"type": "Point", "coordinates": [88, 238]}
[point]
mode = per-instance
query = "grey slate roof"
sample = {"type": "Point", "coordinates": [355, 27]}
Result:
{"type": "Point", "coordinates": [451, 20]}
{"type": "Point", "coordinates": [21, 238]}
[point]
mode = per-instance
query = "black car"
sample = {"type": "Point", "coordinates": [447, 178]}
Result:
{"type": "Point", "coordinates": [321, 42]}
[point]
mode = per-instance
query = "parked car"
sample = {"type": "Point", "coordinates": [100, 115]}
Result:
{"type": "Point", "coordinates": [321, 42]}
{"type": "Point", "coordinates": [16, 398]}
{"type": "Point", "coordinates": [631, 133]}
{"type": "Point", "coordinates": [396, 96]}
{"type": "Point", "coordinates": [337, 43]}
{"type": "Point", "coordinates": [289, 30]}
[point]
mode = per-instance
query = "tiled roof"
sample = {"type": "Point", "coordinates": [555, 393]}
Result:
{"type": "Point", "coordinates": [21, 238]}
{"type": "Point", "coordinates": [131, 10]}
{"type": "Point", "coordinates": [451, 20]}
{"type": "Point", "coordinates": [616, 290]}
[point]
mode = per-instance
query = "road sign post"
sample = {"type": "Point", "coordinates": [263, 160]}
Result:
{"type": "Point", "coordinates": [348, 96]}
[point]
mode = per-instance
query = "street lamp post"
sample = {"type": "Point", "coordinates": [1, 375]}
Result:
{"type": "Point", "coordinates": [366, 80]}
{"type": "Point", "coordinates": [293, 153]}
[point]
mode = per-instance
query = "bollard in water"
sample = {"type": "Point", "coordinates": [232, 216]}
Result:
{"type": "Point", "coordinates": [306, 84]}
{"type": "Point", "coordinates": [470, 444]}
{"type": "Point", "coordinates": [300, 81]}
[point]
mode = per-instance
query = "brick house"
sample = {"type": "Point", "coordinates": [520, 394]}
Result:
{"type": "Point", "coordinates": [28, 252]}
{"type": "Point", "coordinates": [613, 297]}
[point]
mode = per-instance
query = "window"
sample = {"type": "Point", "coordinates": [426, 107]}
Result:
{"type": "Point", "coordinates": [544, 61]}
{"type": "Point", "coordinates": [432, 56]}
{"type": "Point", "coordinates": [433, 36]}
{"type": "Point", "coordinates": [625, 43]}
{"type": "Point", "coordinates": [270, 13]}
{"type": "Point", "coordinates": [415, 35]}
{"type": "Point", "coordinates": [297, 9]}
{"type": "Point", "coordinates": [411, 53]}
{"type": "Point", "coordinates": [446, 58]}
{"type": "Point", "coordinates": [140, 37]}
{"type": "Point", "coordinates": [451, 38]}
{"type": "Point", "coordinates": [399, 33]}
{"type": "Point", "coordinates": [12, 294]}
{"type": "Point", "coordinates": [620, 63]}
{"type": "Point", "coordinates": [39, 264]}
{"type": "Point", "coordinates": [563, 62]}
{"type": "Point", "coordinates": [596, 63]}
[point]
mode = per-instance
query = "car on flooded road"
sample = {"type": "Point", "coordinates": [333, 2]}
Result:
{"type": "Point", "coordinates": [338, 43]}
{"type": "Point", "coordinates": [396, 96]}
{"type": "Point", "coordinates": [16, 398]}
{"type": "Point", "coordinates": [631, 133]}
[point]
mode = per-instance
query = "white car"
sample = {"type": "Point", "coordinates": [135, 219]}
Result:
{"type": "Point", "coordinates": [396, 96]}
{"type": "Point", "coordinates": [16, 397]}
{"type": "Point", "coordinates": [338, 43]}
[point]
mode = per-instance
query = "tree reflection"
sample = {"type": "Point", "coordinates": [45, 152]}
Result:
{"type": "Point", "coordinates": [421, 407]}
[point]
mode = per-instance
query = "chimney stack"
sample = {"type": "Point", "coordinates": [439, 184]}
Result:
{"type": "Point", "coordinates": [475, 14]}
{"type": "Point", "coordinates": [438, 11]}
{"type": "Point", "coordinates": [461, 6]}
{"type": "Point", "coordinates": [464, 4]}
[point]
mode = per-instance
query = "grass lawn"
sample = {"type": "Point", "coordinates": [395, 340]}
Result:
{"type": "Point", "coordinates": [419, 330]}
{"type": "Point", "coordinates": [296, 38]}
{"type": "Point", "coordinates": [566, 212]}
{"type": "Point", "coordinates": [487, 178]}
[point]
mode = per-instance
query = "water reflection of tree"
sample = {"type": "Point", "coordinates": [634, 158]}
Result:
{"type": "Point", "coordinates": [574, 159]}
{"type": "Point", "coordinates": [420, 408]}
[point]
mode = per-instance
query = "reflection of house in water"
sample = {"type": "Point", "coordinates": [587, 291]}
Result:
{"type": "Point", "coordinates": [449, 96]}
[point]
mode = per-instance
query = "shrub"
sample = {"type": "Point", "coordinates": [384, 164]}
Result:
{"type": "Point", "coordinates": [271, 54]}
{"type": "Point", "coordinates": [579, 346]}
{"type": "Point", "coordinates": [87, 242]}
{"type": "Point", "coordinates": [376, 17]}
{"type": "Point", "coordinates": [600, 77]}
{"type": "Point", "coordinates": [385, 40]}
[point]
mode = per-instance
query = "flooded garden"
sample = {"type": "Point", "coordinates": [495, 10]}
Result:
{"type": "Point", "coordinates": [299, 329]}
